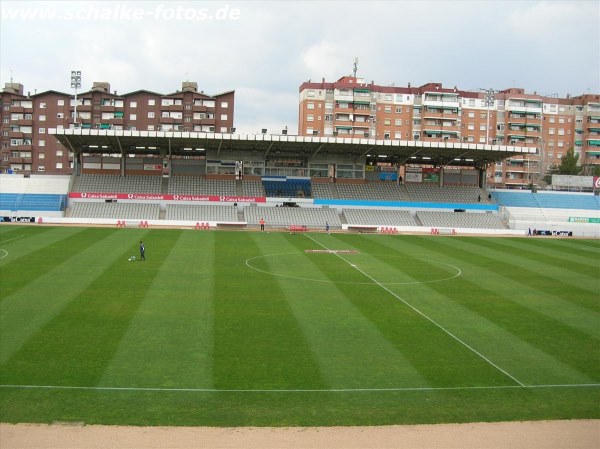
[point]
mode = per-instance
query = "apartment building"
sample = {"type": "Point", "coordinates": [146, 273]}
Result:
{"type": "Point", "coordinates": [353, 107]}
{"type": "Point", "coordinates": [25, 146]}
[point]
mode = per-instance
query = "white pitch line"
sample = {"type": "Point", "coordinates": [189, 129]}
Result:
{"type": "Point", "coordinates": [296, 390]}
{"type": "Point", "coordinates": [426, 317]}
{"type": "Point", "coordinates": [10, 240]}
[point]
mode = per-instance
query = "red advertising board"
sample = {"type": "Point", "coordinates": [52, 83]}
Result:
{"type": "Point", "coordinates": [161, 197]}
{"type": "Point", "coordinates": [596, 182]}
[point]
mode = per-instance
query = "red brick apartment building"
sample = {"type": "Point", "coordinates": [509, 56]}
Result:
{"type": "Point", "coordinates": [353, 107]}
{"type": "Point", "coordinates": [25, 146]}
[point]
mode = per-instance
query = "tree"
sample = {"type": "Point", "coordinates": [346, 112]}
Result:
{"type": "Point", "coordinates": [568, 164]}
{"type": "Point", "coordinates": [595, 170]}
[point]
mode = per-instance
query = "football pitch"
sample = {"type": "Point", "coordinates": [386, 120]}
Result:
{"type": "Point", "coordinates": [220, 328]}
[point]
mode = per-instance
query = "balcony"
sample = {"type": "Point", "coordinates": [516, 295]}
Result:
{"type": "Point", "coordinates": [445, 115]}
{"type": "Point", "coordinates": [522, 109]}
{"type": "Point", "coordinates": [19, 160]}
{"type": "Point", "coordinates": [449, 103]}
{"type": "Point", "coordinates": [175, 107]}
{"type": "Point", "coordinates": [345, 98]}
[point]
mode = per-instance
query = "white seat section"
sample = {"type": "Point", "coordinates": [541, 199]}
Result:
{"type": "Point", "coordinates": [253, 188]}
{"type": "Point", "coordinates": [197, 212]}
{"type": "Point", "coordinates": [46, 184]}
{"type": "Point", "coordinates": [286, 216]}
{"type": "Point", "coordinates": [119, 184]}
{"type": "Point", "coordinates": [196, 185]}
{"type": "Point", "coordinates": [379, 217]}
{"type": "Point", "coordinates": [460, 220]}
{"type": "Point", "coordinates": [374, 191]}
{"type": "Point", "coordinates": [132, 211]}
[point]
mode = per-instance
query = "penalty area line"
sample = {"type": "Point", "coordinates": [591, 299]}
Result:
{"type": "Point", "coordinates": [297, 390]}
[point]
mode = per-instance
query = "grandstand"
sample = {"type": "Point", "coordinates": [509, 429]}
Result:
{"type": "Point", "coordinates": [195, 212]}
{"type": "Point", "coordinates": [285, 216]}
{"type": "Point", "coordinates": [377, 217]}
{"type": "Point", "coordinates": [116, 183]}
{"type": "Point", "coordinates": [412, 207]}
{"type": "Point", "coordinates": [195, 185]}
{"type": "Point", "coordinates": [436, 219]}
{"type": "Point", "coordinates": [36, 193]}
{"type": "Point", "coordinates": [129, 211]}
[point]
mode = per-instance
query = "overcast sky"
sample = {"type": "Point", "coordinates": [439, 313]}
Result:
{"type": "Point", "coordinates": [265, 50]}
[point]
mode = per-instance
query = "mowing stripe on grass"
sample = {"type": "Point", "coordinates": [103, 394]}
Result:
{"type": "Point", "coordinates": [297, 390]}
{"type": "Point", "coordinates": [521, 343]}
{"type": "Point", "coordinates": [349, 349]}
{"type": "Point", "coordinates": [27, 310]}
{"type": "Point", "coordinates": [425, 316]}
{"type": "Point", "coordinates": [169, 340]}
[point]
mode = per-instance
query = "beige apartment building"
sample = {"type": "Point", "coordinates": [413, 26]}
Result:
{"type": "Point", "coordinates": [26, 147]}
{"type": "Point", "coordinates": [353, 107]}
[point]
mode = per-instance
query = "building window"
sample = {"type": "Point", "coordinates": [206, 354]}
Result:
{"type": "Point", "coordinates": [41, 156]}
{"type": "Point", "coordinates": [42, 131]}
{"type": "Point", "coordinates": [561, 131]}
{"type": "Point", "coordinates": [60, 115]}
{"type": "Point", "coordinates": [388, 109]}
{"type": "Point", "coordinates": [482, 139]}
{"type": "Point", "coordinates": [150, 114]}
{"type": "Point", "coordinates": [223, 116]}
{"type": "Point", "coordinates": [471, 127]}
{"type": "Point", "coordinates": [151, 102]}
{"type": "Point", "coordinates": [387, 122]}
{"type": "Point", "coordinates": [310, 93]}
{"type": "Point", "coordinates": [43, 106]}
{"type": "Point", "coordinates": [398, 109]}
{"type": "Point", "coordinates": [223, 129]}
{"type": "Point", "coordinates": [309, 131]}
{"type": "Point", "coordinates": [561, 120]}
{"type": "Point", "coordinates": [551, 143]}
{"type": "Point", "coordinates": [397, 135]}
{"type": "Point", "coordinates": [224, 104]}
{"type": "Point", "coordinates": [41, 143]}
{"type": "Point", "coordinates": [59, 153]}
{"type": "Point", "coordinates": [552, 120]}
{"type": "Point", "coordinates": [482, 127]}
{"type": "Point", "coordinates": [310, 118]}
{"type": "Point", "coordinates": [483, 115]}
{"type": "Point", "coordinates": [132, 116]}
{"type": "Point", "coordinates": [41, 168]}
{"type": "Point", "coordinates": [398, 122]}
{"type": "Point", "coordinates": [59, 165]}
{"type": "Point", "coordinates": [388, 98]}
{"type": "Point", "coordinates": [133, 104]}
{"type": "Point", "coordinates": [561, 144]}
{"type": "Point", "coordinates": [310, 105]}
{"type": "Point", "coordinates": [471, 102]}
{"type": "Point", "coordinates": [60, 102]}
{"type": "Point", "coordinates": [471, 114]}
{"type": "Point", "coordinates": [550, 130]}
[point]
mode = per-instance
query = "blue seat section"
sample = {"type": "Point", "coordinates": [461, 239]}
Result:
{"type": "Point", "coordinates": [547, 200]}
{"type": "Point", "coordinates": [296, 188]}
{"type": "Point", "coordinates": [587, 202]}
{"type": "Point", "coordinates": [32, 201]}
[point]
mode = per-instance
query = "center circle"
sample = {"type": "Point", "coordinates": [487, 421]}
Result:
{"type": "Point", "coordinates": [412, 270]}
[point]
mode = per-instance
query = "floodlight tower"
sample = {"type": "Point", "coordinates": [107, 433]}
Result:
{"type": "Point", "coordinates": [490, 97]}
{"type": "Point", "coordinates": [75, 84]}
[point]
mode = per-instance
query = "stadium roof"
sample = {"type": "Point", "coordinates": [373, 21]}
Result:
{"type": "Point", "coordinates": [108, 141]}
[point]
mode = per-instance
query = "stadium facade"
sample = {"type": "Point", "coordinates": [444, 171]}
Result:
{"type": "Point", "coordinates": [354, 107]}
{"type": "Point", "coordinates": [26, 146]}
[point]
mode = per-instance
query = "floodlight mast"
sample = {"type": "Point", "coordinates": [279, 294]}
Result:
{"type": "Point", "coordinates": [75, 84]}
{"type": "Point", "coordinates": [490, 97]}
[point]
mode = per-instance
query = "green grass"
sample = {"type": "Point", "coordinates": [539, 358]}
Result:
{"type": "Point", "coordinates": [249, 329]}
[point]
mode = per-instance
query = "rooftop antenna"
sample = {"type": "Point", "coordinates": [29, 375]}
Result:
{"type": "Point", "coordinates": [11, 76]}
{"type": "Point", "coordinates": [355, 67]}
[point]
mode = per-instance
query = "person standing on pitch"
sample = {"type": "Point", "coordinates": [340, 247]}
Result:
{"type": "Point", "coordinates": [262, 224]}
{"type": "Point", "coordinates": [142, 251]}
{"type": "Point", "coordinates": [327, 227]}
